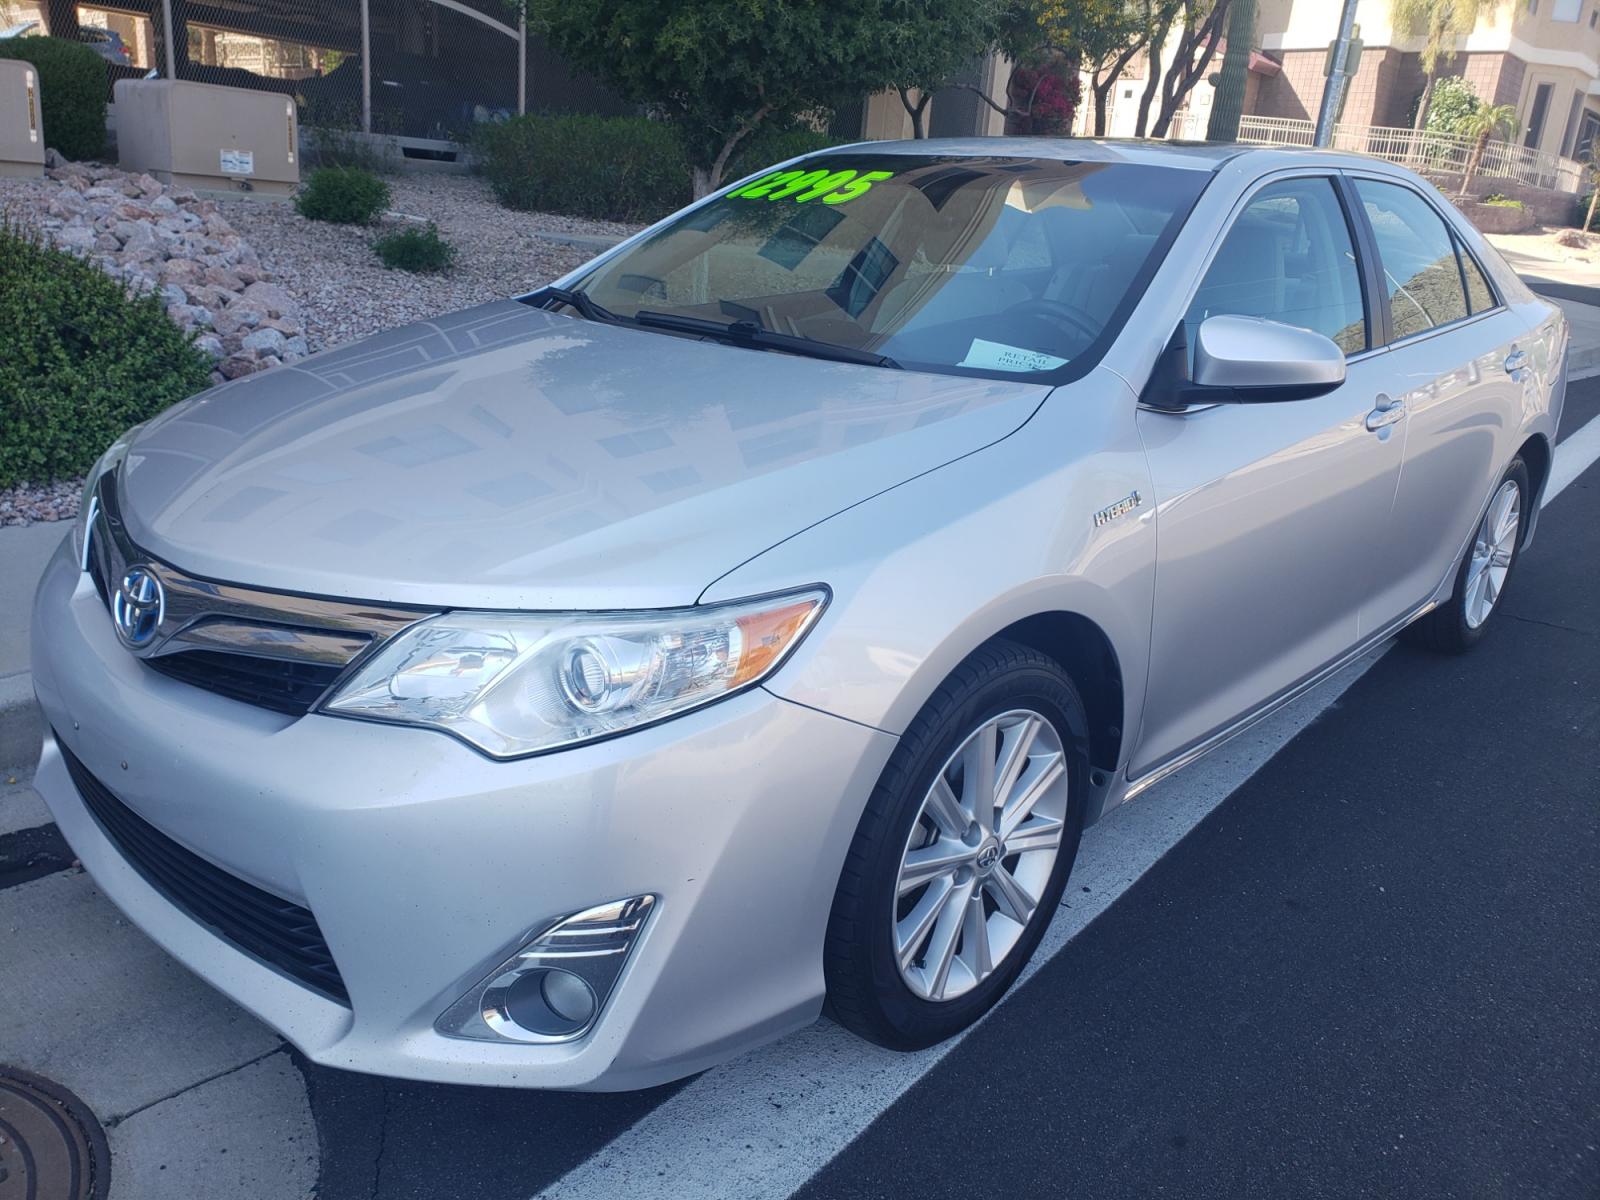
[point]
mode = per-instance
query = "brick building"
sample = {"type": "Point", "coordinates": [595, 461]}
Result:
{"type": "Point", "coordinates": [1542, 57]}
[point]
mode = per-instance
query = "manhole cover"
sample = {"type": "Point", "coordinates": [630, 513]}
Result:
{"type": "Point", "coordinates": [51, 1147]}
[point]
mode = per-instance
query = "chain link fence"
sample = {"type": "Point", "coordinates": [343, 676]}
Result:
{"type": "Point", "coordinates": [417, 69]}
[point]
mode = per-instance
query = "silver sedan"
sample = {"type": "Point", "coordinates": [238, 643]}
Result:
{"type": "Point", "coordinates": [581, 689]}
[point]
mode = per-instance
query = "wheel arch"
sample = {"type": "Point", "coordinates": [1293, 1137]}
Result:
{"type": "Point", "coordinates": [1538, 456]}
{"type": "Point", "coordinates": [1084, 651]}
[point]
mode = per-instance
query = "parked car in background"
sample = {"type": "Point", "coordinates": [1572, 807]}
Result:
{"type": "Point", "coordinates": [581, 689]}
{"type": "Point", "coordinates": [104, 42]}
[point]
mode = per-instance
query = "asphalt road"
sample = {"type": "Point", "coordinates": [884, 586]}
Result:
{"type": "Point", "coordinates": [1359, 957]}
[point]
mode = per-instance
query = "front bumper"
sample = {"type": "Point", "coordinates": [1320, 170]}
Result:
{"type": "Point", "coordinates": [426, 863]}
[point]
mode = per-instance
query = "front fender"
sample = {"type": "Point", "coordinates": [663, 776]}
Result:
{"type": "Point", "coordinates": [928, 571]}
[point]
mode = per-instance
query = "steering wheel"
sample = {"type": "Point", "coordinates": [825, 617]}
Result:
{"type": "Point", "coordinates": [1056, 313]}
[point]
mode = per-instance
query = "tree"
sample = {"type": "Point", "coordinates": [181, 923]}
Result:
{"type": "Point", "coordinates": [1439, 23]}
{"type": "Point", "coordinates": [1228, 106]}
{"type": "Point", "coordinates": [1482, 125]}
{"type": "Point", "coordinates": [925, 44]}
{"type": "Point", "coordinates": [1107, 35]}
{"type": "Point", "coordinates": [716, 69]}
{"type": "Point", "coordinates": [1197, 45]}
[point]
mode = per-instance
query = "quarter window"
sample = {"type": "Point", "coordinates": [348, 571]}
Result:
{"type": "Point", "coordinates": [1289, 257]}
{"type": "Point", "coordinates": [1418, 257]}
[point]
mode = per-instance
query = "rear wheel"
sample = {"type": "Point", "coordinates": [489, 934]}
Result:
{"type": "Point", "coordinates": [963, 851]}
{"type": "Point", "coordinates": [1459, 623]}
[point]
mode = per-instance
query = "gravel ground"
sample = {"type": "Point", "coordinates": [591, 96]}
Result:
{"type": "Point", "coordinates": [346, 293]}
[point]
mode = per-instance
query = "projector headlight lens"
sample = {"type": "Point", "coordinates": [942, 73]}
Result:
{"type": "Point", "coordinates": [521, 683]}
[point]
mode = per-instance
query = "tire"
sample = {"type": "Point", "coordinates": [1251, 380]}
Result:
{"type": "Point", "coordinates": [1026, 698]}
{"type": "Point", "coordinates": [1460, 623]}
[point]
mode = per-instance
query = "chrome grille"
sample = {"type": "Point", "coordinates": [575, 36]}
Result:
{"type": "Point", "coordinates": [275, 650]}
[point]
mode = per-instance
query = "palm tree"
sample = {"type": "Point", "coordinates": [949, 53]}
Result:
{"type": "Point", "coordinates": [1486, 121]}
{"type": "Point", "coordinates": [1440, 22]}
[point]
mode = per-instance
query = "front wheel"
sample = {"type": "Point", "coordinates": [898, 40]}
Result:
{"type": "Point", "coordinates": [1460, 622]}
{"type": "Point", "coordinates": [963, 851]}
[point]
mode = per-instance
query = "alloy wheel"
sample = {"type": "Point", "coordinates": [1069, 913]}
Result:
{"type": "Point", "coordinates": [1492, 551]}
{"type": "Point", "coordinates": [980, 854]}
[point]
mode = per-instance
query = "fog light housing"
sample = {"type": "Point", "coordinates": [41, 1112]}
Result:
{"type": "Point", "coordinates": [552, 989]}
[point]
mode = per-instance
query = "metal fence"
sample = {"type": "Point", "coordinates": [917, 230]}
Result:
{"type": "Point", "coordinates": [1426, 150]}
{"type": "Point", "coordinates": [418, 69]}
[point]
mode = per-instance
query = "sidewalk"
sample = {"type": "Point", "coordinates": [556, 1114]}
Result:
{"type": "Point", "coordinates": [24, 551]}
{"type": "Point", "coordinates": [23, 555]}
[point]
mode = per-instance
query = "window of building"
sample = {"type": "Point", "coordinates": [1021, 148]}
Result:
{"type": "Point", "coordinates": [1288, 257]}
{"type": "Point", "coordinates": [1566, 10]}
{"type": "Point", "coordinates": [1536, 115]}
{"type": "Point", "coordinates": [1418, 257]}
{"type": "Point", "coordinates": [1571, 131]}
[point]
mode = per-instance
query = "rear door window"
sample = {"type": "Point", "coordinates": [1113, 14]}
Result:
{"type": "Point", "coordinates": [1418, 258]}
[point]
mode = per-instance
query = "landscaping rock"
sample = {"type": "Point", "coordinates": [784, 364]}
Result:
{"type": "Point", "coordinates": [170, 242]}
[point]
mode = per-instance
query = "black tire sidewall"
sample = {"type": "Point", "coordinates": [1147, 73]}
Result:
{"type": "Point", "coordinates": [908, 1020]}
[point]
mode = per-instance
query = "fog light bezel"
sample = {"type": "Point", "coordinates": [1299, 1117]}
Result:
{"type": "Point", "coordinates": [593, 945]}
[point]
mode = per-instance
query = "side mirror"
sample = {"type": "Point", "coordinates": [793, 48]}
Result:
{"type": "Point", "coordinates": [1245, 360]}
{"type": "Point", "coordinates": [1261, 360]}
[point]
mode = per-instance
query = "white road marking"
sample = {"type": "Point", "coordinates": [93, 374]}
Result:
{"type": "Point", "coordinates": [761, 1126]}
{"type": "Point", "coordinates": [1574, 456]}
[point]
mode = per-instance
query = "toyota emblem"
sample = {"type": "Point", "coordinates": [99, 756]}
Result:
{"type": "Point", "coordinates": [138, 607]}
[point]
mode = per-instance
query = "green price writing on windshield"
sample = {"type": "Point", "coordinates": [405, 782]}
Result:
{"type": "Point", "coordinates": [834, 187]}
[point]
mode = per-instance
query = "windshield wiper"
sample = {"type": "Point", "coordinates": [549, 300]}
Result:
{"type": "Point", "coordinates": [585, 307]}
{"type": "Point", "coordinates": [748, 333]}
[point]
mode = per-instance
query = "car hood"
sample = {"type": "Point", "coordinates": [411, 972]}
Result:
{"type": "Point", "coordinates": [506, 457]}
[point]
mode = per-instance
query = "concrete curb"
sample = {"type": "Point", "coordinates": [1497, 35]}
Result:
{"type": "Point", "coordinates": [21, 725]}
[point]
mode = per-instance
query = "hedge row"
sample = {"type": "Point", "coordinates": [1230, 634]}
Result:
{"type": "Point", "coordinates": [72, 92]}
{"type": "Point", "coordinates": [611, 168]}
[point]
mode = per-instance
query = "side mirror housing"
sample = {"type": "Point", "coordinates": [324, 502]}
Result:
{"type": "Point", "coordinates": [1246, 360]}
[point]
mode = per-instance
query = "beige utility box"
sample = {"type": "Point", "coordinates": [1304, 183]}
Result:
{"type": "Point", "coordinates": [213, 139]}
{"type": "Point", "coordinates": [21, 127]}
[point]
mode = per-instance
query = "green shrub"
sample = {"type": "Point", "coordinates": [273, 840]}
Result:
{"type": "Point", "coordinates": [343, 195]}
{"type": "Point", "coordinates": [1502, 201]}
{"type": "Point", "coordinates": [610, 168]}
{"type": "Point", "coordinates": [415, 249]}
{"type": "Point", "coordinates": [83, 361]}
{"type": "Point", "coordinates": [1452, 102]}
{"type": "Point", "coordinates": [72, 92]}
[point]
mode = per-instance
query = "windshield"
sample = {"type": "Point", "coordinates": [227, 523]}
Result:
{"type": "Point", "coordinates": [1017, 267]}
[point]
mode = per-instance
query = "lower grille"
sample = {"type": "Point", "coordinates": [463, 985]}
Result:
{"type": "Point", "coordinates": [286, 687]}
{"type": "Point", "coordinates": [279, 934]}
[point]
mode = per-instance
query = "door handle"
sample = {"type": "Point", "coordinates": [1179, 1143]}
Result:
{"type": "Point", "coordinates": [1386, 414]}
{"type": "Point", "coordinates": [1515, 361]}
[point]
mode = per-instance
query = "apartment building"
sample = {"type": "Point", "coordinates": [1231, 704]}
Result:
{"type": "Point", "coordinates": [1540, 56]}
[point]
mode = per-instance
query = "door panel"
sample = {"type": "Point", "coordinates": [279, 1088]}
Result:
{"type": "Point", "coordinates": [1267, 518]}
{"type": "Point", "coordinates": [1267, 515]}
{"type": "Point", "coordinates": [1462, 405]}
{"type": "Point", "coordinates": [1462, 409]}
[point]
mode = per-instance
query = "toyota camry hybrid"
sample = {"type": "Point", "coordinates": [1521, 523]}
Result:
{"type": "Point", "coordinates": [581, 689]}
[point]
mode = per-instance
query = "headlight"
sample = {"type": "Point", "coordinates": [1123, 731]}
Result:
{"type": "Point", "coordinates": [519, 683]}
{"type": "Point", "coordinates": [86, 502]}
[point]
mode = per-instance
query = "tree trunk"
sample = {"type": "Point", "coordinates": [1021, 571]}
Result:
{"type": "Point", "coordinates": [1474, 162]}
{"type": "Point", "coordinates": [1186, 70]}
{"type": "Point", "coordinates": [705, 179]}
{"type": "Point", "coordinates": [1423, 102]}
{"type": "Point", "coordinates": [1153, 83]}
{"type": "Point", "coordinates": [915, 111]}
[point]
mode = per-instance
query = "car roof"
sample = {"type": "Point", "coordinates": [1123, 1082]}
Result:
{"type": "Point", "coordinates": [1193, 156]}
